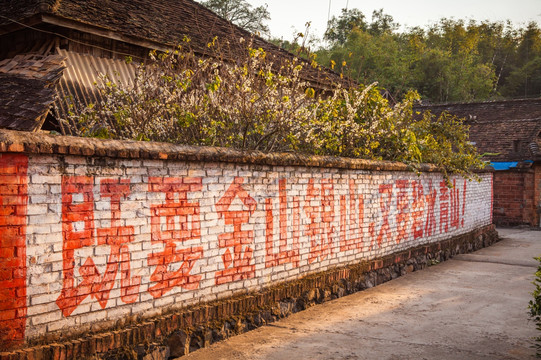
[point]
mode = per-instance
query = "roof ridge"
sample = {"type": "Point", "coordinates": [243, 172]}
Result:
{"type": "Point", "coordinates": [505, 120]}
{"type": "Point", "coordinates": [496, 101]}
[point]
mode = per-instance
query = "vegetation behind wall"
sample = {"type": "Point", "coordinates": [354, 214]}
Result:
{"type": "Point", "coordinates": [259, 103]}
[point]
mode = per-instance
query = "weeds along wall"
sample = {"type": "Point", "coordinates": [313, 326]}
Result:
{"type": "Point", "coordinates": [93, 231]}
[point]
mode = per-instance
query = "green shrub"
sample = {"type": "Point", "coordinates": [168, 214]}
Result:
{"type": "Point", "coordinates": [260, 103]}
{"type": "Point", "coordinates": [535, 305]}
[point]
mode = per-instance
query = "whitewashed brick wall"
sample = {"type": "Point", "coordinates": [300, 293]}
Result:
{"type": "Point", "coordinates": [319, 218]}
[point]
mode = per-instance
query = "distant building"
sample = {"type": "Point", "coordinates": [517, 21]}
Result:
{"type": "Point", "coordinates": [509, 133]}
{"type": "Point", "coordinates": [95, 36]}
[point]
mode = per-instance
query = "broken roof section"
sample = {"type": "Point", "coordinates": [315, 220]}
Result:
{"type": "Point", "coordinates": [27, 90]}
{"type": "Point", "coordinates": [507, 130]}
{"type": "Point", "coordinates": [156, 24]}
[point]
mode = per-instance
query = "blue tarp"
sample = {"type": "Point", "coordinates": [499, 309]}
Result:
{"type": "Point", "coordinates": [506, 165]}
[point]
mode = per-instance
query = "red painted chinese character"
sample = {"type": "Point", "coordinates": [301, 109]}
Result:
{"type": "Point", "coordinates": [117, 237]}
{"type": "Point", "coordinates": [188, 227]}
{"type": "Point", "coordinates": [237, 265]}
{"type": "Point", "coordinates": [94, 284]}
{"type": "Point", "coordinates": [351, 233]}
{"type": "Point", "coordinates": [283, 255]}
{"type": "Point", "coordinates": [72, 295]}
{"type": "Point", "coordinates": [464, 204]}
{"type": "Point", "coordinates": [430, 200]}
{"type": "Point", "coordinates": [402, 205]}
{"type": "Point", "coordinates": [444, 207]}
{"type": "Point", "coordinates": [313, 228]}
{"type": "Point", "coordinates": [417, 208]}
{"type": "Point", "coordinates": [13, 206]}
{"type": "Point", "coordinates": [457, 210]}
{"type": "Point", "coordinates": [455, 206]}
{"type": "Point", "coordinates": [327, 215]}
{"type": "Point", "coordinates": [345, 243]}
{"type": "Point", "coordinates": [321, 218]}
{"type": "Point", "coordinates": [385, 201]}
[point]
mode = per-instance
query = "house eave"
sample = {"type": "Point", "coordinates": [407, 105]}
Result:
{"type": "Point", "coordinates": [103, 32]}
{"type": "Point", "coordinates": [35, 20]}
{"type": "Point", "coordinates": [31, 21]}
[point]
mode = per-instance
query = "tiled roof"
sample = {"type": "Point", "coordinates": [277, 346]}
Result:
{"type": "Point", "coordinates": [164, 21]}
{"type": "Point", "coordinates": [27, 90]}
{"type": "Point", "coordinates": [511, 139]}
{"type": "Point", "coordinates": [509, 128]}
{"type": "Point", "coordinates": [491, 110]}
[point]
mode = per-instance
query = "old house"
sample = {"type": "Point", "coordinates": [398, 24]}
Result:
{"type": "Point", "coordinates": [508, 132]}
{"type": "Point", "coordinates": [96, 37]}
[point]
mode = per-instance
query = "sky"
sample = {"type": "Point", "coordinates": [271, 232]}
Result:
{"type": "Point", "coordinates": [288, 17]}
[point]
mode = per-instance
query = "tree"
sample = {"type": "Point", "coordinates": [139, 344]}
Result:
{"type": "Point", "coordinates": [525, 81]}
{"type": "Point", "coordinates": [338, 29]}
{"type": "Point", "coordinates": [382, 23]}
{"type": "Point", "coordinates": [525, 76]}
{"type": "Point", "coordinates": [452, 60]}
{"type": "Point", "coordinates": [368, 58]}
{"type": "Point", "coordinates": [240, 13]}
{"type": "Point", "coordinates": [495, 47]}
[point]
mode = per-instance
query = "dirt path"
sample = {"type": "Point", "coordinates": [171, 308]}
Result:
{"type": "Point", "coordinates": [471, 307]}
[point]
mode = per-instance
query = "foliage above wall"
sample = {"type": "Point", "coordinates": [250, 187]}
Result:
{"type": "Point", "coordinates": [259, 104]}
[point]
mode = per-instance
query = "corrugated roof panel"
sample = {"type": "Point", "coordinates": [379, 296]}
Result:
{"type": "Point", "coordinates": [78, 85]}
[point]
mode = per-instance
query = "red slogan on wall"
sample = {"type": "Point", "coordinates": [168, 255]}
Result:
{"type": "Point", "coordinates": [328, 222]}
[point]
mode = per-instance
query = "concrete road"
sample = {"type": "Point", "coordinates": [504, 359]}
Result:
{"type": "Point", "coordinates": [471, 307]}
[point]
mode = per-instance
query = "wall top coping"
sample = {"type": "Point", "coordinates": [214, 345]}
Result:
{"type": "Point", "coordinates": [47, 144]}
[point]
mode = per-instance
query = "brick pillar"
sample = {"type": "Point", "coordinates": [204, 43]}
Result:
{"type": "Point", "coordinates": [13, 201]}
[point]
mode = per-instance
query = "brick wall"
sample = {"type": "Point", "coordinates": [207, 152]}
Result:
{"type": "Point", "coordinates": [514, 198]}
{"type": "Point", "coordinates": [96, 231]}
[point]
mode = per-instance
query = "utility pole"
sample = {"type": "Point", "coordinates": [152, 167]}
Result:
{"type": "Point", "coordinates": [329, 13]}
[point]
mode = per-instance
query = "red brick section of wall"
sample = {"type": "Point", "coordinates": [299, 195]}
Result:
{"type": "Point", "coordinates": [13, 204]}
{"type": "Point", "coordinates": [514, 198]}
